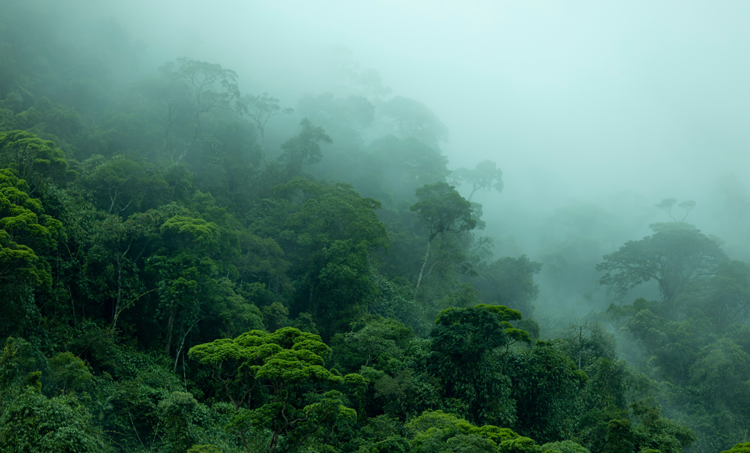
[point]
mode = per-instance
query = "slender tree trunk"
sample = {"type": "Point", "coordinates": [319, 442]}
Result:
{"type": "Point", "coordinates": [177, 356]}
{"type": "Point", "coordinates": [118, 302]}
{"type": "Point", "coordinates": [263, 146]}
{"type": "Point", "coordinates": [274, 441]}
{"type": "Point", "coordinates": [421, 271]}
{"type": "Point", "coordinates": [242, 438]}
{"type": "Point", "coordinates": [170, 327]}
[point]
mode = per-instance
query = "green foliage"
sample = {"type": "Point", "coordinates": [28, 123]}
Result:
{"type": "Point", "coordinates": [35, 423]}
{"type": "Point", "coordinates": [18, 364]}
{"type": "Point", "coordinates": [519, 445]}
{"type": "Point", "coordinates": [181, 235]}
{"type": "Point", "coordinates": [377, 343]}
{"type": "Point", "coordinates": [739, 448]}
{"type": "Point", "coordinates": [546, 388]}
{"type": "Point", "coordinates": [658, 433]}
{"type": "Point", "coordinates": [177, 412]}
{"type": "Point", "coordinates": [438, 431]}
{"type": "Point", "coordinates": [36, 161]}
{"type": "Point", "coordinates": [464, 347]}
{"type": "Point", "coordinates": [304, 148]}
{"type": "Point", "coordinates": [485, 176]}
{"type": "Point", "coordinates": [728, 295]}
{"type": "Point", "coordinates": [25, 233]}
{"type": "Point", "coordinates": [121, 185]}
{"type": "Point", "coordinates": [443, 209]}
{"type": "Point", "coordinates": [332, 236]}
{"type": "Point", "coordinates": [565, 446]}
{"type": "Point", "coordinates": [69, 372]}
{"type": "Point", "coordinates": [619, 437]}
{"type": "Point", "coordinates": [411, 118]}
{"type": "Point", "coordinates": [203, 449]}
{"type": "Point", "coordinates": [510, 281]}
{"type": "Point", "coordinates": [587, 342]}
{"type": "Point", "coordinates": [194, 89]}
{"type": "Point", "coordinates": [288, 365]}
{"type": "Point", "coordinates": [674, 257]}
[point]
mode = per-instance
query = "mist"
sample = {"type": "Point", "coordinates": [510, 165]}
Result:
{"type": "Point", "coordinates": [576, 103]}
{"type": "Point", "coordinates": [613, 124]}
{"type": "Point", "coordinates": [571, 100]}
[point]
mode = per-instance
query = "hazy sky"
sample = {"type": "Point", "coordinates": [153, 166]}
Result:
{"type": "Point", "coordinates": [572, 99]}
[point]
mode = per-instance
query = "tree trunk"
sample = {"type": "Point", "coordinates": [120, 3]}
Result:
{"type": "Point", "coordinates": [274, 441]}
{"type": "Point", "coordinates": [170, 326]}
{"type": "Point", "coordinates": [118, 303]}
{"type": "Point", "coordinates": [421, 271]}
{"type": "Point", "coordinates": [177, 356]}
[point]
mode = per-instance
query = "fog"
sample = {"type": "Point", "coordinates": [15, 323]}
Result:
{"type": "Point", "coordinates": [292, 164]}
{"type": "Point", "coordinates": [572, 101]}
{"type": "Point", "coordinates": [615, 105]}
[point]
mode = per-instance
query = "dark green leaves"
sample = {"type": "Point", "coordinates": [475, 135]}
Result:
{"type": "Point", "coordinates": [443, 209]}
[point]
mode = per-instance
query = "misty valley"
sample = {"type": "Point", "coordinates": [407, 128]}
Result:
{"type": "Point", "coordinates": [208, 258]}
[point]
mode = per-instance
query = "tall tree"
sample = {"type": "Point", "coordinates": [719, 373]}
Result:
{"type": "Point", "coordinates": [295, 395]}
{"type": "Point", "coordinates": [442, 209]}
{"type": "Point", "coordinates": [202, 87]}
{"type": "Point", "coordinates": [411, 118]}
{"type": "Point", "coordinates": [36, 161]}
{"type": "Point", "coordinates": [260, 109]}
{"type": "Point", "coordinates": [333, 235]}
{"type": "Point", "coordinates": [485, 176]}
{"type": "Point", "coordinates": [676, 256]}
{"type": "Point", "coordinates": [304, 148]}
{"type": "Point", "coordinates": [27, 236]}
{"type": "Point", "coordinates": [465, 347]}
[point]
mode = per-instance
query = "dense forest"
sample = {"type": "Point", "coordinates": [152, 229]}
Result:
{"type": "Point", "coordinates": [189, 267]}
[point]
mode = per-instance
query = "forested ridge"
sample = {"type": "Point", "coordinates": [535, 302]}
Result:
{"type": "Point", "coordinates": [186, 266]}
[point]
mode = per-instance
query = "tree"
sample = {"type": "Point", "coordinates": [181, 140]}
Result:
{"type": "Point", "coordinates": [121, 185]}
{"type": "Point", "coordinates": [586, 342]}
{"type": "Point", "coordinates": [27, 238]}
{"type": "Point", "coordinates": [437, 431]}
{"type": "Point", "coordinates": [546, 387]}
{"type": "Point", "coordinates": [667, 204]}
{"type": "Point", "coordinates": [36, 161]}
{"type": "Point", "coordinates": [465, 348]}
{"type": "Point", "coordinates": [296, 396]}
{"type": "Point", "coordinates": [565, 446]}
{"type": "Point", "coordinates": [181, 268]}
{"type": "Point", "coordinates": [676, 257]}
{"type": "Point", "coordinates": [375, 342]}
{"type": "Point", "coordinates": [401, 165]}
{"type": "Point", "coordinates": [35, 423]}
{"type": "Point", "coordinates": [177, 411]}
{"type": "Point", "coordinates": [411, 118]}
{"type": "Point", "coordinates": [202, 87]}
{"type": "Point", "coordinates": [332, 235]}
{"type": "Point", "coordinates": [509, 281]}
{"type": "Point", "coordinates": [25, 233]}
{"type": "Point", "coordinates": [443, 210]}
{"type": "Point", "coordinates": [485, 176]}
{"type": "Point", "coordinates": [654, 432]}
{"type": "Point", "coordinates": [69, 372]}
{"type": "Point", "coordinates": [115, 248]}
{"type": "Point", "coordinates": [619, 437]}
{"type": "Point", "coordinates": [728, 294]}
{"type": "Point", "coordinates": [260, 109]}
{"type": "Point", "coordinates": [739, 448]}
{"type": "Point", "coordinates": [303, 148]}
